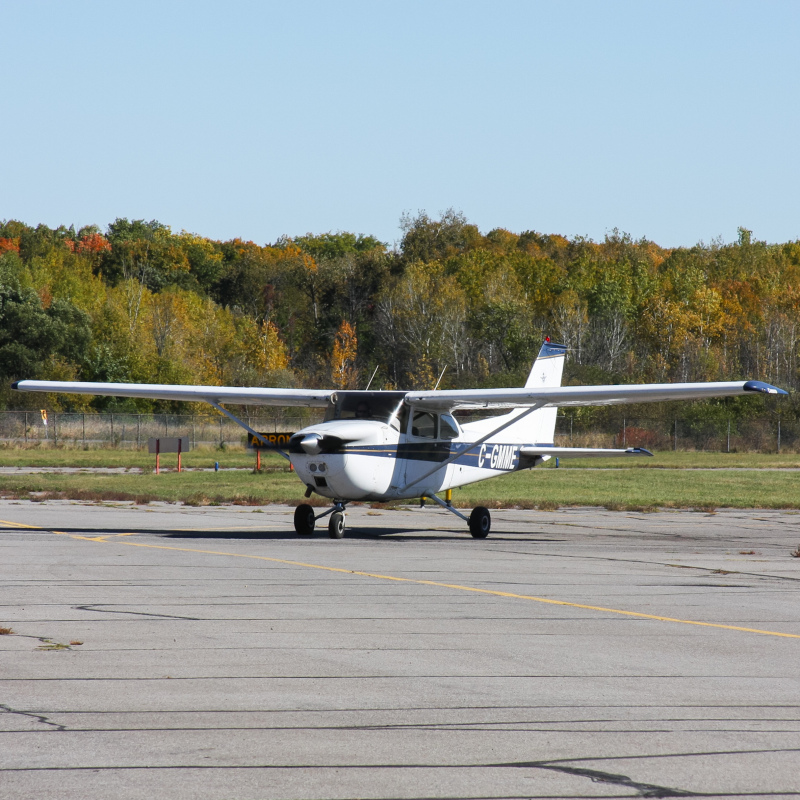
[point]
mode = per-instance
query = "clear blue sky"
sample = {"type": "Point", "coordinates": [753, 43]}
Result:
{"type": "Point", "coordinates": [678, 121]}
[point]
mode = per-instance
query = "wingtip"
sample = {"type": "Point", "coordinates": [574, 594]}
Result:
{"type": "Point", "coordinates": [15, 385]}
{"type": "Point", "coordinates": [763, 388]}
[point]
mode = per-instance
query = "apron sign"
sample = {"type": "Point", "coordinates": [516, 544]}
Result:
{"type": "Point", "coordinates": [275, 441]}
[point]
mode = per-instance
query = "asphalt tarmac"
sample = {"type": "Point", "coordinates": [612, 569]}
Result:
{"type": "Point", "coordinates": [168, 652]}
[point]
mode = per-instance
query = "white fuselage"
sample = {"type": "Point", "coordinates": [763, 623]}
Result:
{"type": "Point", "coordinates": [377, 462]}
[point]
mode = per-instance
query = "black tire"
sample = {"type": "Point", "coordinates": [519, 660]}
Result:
{"type": "Point", "coordinates": [336, 525]}
{"type": "Point", "coordinates": [480, 522]}
{"type": "Point", "coordinates": [304, 519]}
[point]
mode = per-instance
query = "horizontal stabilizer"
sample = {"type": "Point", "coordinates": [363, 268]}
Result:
{"type": "Point", "coordinates": [580, 452]}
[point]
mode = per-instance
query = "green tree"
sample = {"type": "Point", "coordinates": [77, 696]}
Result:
{"type": "Point", "coordinates": [426, 239]}
{"type": "Point", "coordinates": [34, 339]}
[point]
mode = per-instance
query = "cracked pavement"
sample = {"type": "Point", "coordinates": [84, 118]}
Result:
{"type": "Point", "coordinates": [579, 653]}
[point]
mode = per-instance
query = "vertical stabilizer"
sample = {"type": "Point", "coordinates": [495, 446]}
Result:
{"type": "Point", "coordinates": [539, 427]}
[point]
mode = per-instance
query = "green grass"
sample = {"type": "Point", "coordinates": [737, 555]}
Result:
{"type": "Point", "coordinates": [48, 456]}
{"type": "Point", "coordinates": [637, 488]}
{"type": "Point", "coordinates": [623, 488]}
{"type": "Point", "coordinates": [195, 488]}
{"type": "Point", "coordinates": [687, 459]}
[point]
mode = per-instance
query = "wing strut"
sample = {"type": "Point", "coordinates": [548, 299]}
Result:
{"type": "Point", "coordinates": [475, 444]}
{"type": "Point", "coordinates": [246, 427]}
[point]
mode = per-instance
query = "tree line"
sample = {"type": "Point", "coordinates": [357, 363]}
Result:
{"type": "Point", "coordinates": [137, 302]}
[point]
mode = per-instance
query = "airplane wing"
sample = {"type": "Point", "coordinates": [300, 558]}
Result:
{"type": "Point", "coordinates": [250, 396]}
{"type": "Point", "coordinates": [432, 400]}
{"type": "Point", "coordinates": [583, 395]}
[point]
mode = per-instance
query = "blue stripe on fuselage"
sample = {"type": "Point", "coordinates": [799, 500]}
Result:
{"type": "Point", "coordinates": [487, 456]}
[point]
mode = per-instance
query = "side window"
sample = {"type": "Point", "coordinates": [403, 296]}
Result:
{"type": "Point", "coordinates": [448, 427]}
{"type": "Point", "coordinates": [423, 424]}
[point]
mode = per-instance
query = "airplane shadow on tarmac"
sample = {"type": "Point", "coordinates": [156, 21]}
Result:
{"type": "Point", "coordinates": [375, 534]}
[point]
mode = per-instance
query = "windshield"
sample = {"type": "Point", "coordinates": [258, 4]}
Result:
{"type": "Point", "coordinates": [380, 406]}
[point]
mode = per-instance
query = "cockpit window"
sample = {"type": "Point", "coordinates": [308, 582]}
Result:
{"type": "Point", "coordinates": [423, 424]}
{"type": "Point", "coordinates": [384, 407]}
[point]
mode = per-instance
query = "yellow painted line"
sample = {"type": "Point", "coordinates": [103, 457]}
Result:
{"type": "Point", "coordinates": [421, 582]}
{"type": "Point", "coordinates": [20, 525]}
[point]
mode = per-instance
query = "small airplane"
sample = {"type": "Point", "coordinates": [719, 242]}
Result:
{"type": "Point", "coordinates": [400, 445]}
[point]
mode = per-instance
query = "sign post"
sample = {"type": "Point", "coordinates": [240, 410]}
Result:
{"type": "Point", "coordinates": [172, 444]}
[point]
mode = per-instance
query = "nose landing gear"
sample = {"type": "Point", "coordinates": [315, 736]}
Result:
{"type": "Point", "coordinates": [336, 525]}
{"type": "Point", "coordinates": [305, 519]}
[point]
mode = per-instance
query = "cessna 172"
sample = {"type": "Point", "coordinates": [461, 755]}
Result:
{"type": "Point", "coordinates": [380, 446]}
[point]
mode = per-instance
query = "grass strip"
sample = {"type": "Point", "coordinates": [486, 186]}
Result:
{"type": "Point", "coordinates": [74, 457]}
{"type": "Point", "coordinates": [542, 488]}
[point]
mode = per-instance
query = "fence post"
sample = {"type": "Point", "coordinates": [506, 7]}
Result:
{"type": "Point", "coordinates": [194, 437]}
{"type": "Point", "coordinates": [112, 428]}
{"type": "Point", "coordinates": [83, 428]}
{"type": "Point", "coordinates": [55, 429]}
{"type": "Point", "coordinates": [675, 439]}
{"type": "Point", "coordinates": [624, 432]}
{"type": "Point", "coordinates": [26, 427]}
{"type": "Point", "coordinates": [220, 431]}
{"type": "Point", "coordinates": [779, 437]}
{"type": "Point", "coordinates": [138, 422]}
{"type": "Point", "coordinates": [570, 430]}
{"type": "Point", "coordinates": [729, 436]}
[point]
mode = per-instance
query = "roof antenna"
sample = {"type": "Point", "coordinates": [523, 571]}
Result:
{"type": "Point", "coordinates": [371, 379]}
{"type": "Point", "coordinates": [440, 378]}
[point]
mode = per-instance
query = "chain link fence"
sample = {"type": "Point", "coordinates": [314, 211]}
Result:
{"type": "Point", "coordinates": [133, 430]}
{"type": "Point", "coordinates": [725, 435]}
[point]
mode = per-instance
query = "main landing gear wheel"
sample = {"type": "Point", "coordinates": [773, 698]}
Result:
{"type": "Point", "coordinates": [304, 519]}
{"type": "Point", "coordinates": [480, 521]}
{"type": "Point", "coordinates": [336, 525]}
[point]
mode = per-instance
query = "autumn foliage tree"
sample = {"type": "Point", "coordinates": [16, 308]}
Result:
{"type": "Point", "coordinates": [344, 372]}
{"type": "Point", "coordinates": [139, 302]}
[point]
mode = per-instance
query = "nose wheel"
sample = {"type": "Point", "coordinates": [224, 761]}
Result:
{"type": "Point", "coordinates": [336, 525]}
